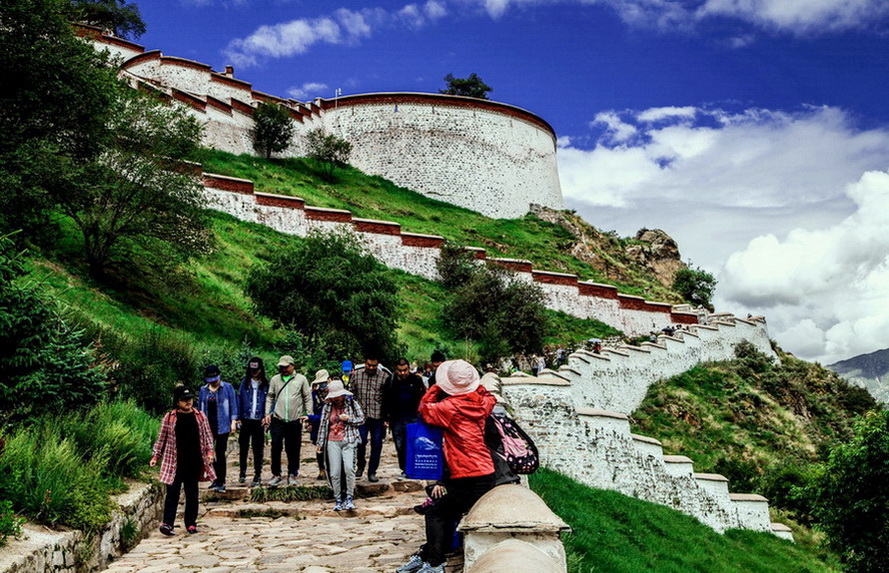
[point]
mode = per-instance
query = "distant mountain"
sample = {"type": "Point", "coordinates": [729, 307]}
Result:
{"type": "Point", "coordinates": [869, 371]}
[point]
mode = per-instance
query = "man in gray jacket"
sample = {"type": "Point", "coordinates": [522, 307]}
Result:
{"type": "Point", "coordinates": [288, 403]}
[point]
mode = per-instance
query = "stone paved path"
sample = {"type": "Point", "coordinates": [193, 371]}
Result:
{"type": "Point", "coordinates": [237, 536]}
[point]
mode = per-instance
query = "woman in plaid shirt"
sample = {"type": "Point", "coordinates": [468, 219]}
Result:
{"type": "Point", "coordinates": [338, 437]}
{"type": "Point", "coordinates": [185, 449]}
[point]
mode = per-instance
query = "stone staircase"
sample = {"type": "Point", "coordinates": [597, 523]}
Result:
{"type": "Point", "coordinates": [579, 418]}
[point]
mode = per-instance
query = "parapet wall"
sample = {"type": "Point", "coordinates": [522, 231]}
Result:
{"type": "Point", "coordinates": [418, 254]}
{"type": "Point", "coordinates": [490, 157]}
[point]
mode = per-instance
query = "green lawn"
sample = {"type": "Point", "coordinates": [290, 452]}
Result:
{"type": "Point", "coordinates": [613, 533]}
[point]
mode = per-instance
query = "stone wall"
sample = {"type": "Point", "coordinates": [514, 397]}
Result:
{"type": "Point", "coordinates": [490, 157]}
{"type": "Point", "coordinates": [41, 549]}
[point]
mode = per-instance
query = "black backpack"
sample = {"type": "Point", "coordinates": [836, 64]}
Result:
{"type": "Point", "coordinates": [511, 444]}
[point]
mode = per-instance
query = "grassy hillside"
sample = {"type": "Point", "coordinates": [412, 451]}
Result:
{"type": "Point", "coordinates": [613, 533]}
{"type": "Point", "coordinates": [546, 244]}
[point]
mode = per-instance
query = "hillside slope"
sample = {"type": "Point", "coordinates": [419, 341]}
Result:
{"type": "Point", "coordinates": [869, 371]}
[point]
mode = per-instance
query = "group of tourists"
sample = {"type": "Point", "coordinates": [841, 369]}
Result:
{"type": "Point", "coordinates": [345, 413]}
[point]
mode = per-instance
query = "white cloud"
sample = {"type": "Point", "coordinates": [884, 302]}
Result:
{"type": "Point", "coordinates": [777, 197]}
{"type": "Point", "coordinates": [308, 91]}
{"type": "Point", "coordinates": [343, 26]}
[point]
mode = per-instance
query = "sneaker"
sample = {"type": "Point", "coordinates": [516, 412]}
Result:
{"type": "Point", "coordinates": [220, 488]}
{"type": "Point", "coordinates": [338, 506]}
{"type": "Point", "coordinates": [413, 565]}
{"type": "Point", "coordinates": [403, 475]}
{"type": "Point", "coordinates": [348, 505]}
{"type": "Point", "coordinates": [257, 482]}
{"type": "Point", "coordinates": [291, 480]}
{"type": "Point", "coordinates": [427, 568]}
{"type": "Point", "coordinates": [166, 529]}
{"type": "Point", "coordinates": [359, 473]}
{"type": "Point", "coordinates": [242, 478]}
{"type": "Point", "coordinates": [372, 478]}
{"type": "Point", "coordinates": [276, 481]}
{"type": "Point", "coordinates": [192, 529]}
{"type": "Point", "coordinates": [213, 484]}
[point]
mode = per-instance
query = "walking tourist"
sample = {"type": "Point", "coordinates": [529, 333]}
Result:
{"type": "Point", "coordinates": [218, 401]}
{"type": "Point", "coordinates": [338, 439]}
{"type": "Point", "coordinates": [367, 385]}
{"type": "Point", "coordinates": [251, 405]}
{"type": "Point", "coordinates": [458, 404]}
{"type": "Point", "coordinates": [401, 398]}
{"type": "Point", "coordinates": [347, 368]}
{"type": "Point", "coordinates": [185, 449]}
{"type": "Point", "coordinates": [319, 393]}
{"type": "Point", "coordinates": [436, 359]}
{"type": "Point", "coordinates": [287, 405]}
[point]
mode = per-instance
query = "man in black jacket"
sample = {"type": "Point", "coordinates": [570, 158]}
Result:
{"type": "Point", "coordinates": [401, 398]}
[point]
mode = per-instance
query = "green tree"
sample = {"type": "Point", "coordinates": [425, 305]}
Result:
{"type": "Point", "coordinates": [328, 149]}
{"type": "Point", "coordinates": [471, 86]}
{"type": "Point", "coordinates": [44, 364]}
{"type": "Point", "coordinates": [696, 286]}
{"type": "Point", "coordinates": [132, 201]}
{"type": "Point", "coordinates": [491, 306]}
{"type": "Point", "coordinates": [272, 129]}
{"type": "Point", "coordinates": [118, 17]}
{"type": "Point", "coordinates": [333, 292]}
{"type": "Point", "coordinates": [850, 497]}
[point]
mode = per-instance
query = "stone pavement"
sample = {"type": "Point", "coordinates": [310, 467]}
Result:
{"type": "Point", "coordinates": [238, 536]}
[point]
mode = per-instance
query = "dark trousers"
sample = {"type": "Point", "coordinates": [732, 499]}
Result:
{"type": "Point", "coordinates": [377, 431]}
{"type": "Point", "coordinates": [171, 502]}
{"type": "Point", "coordinates": [444, 515]}
{"type": "Point", "coordinates": [399, 436]}
{"type": "Point", "coordinates": [289, 436]}
{"type": "Point", "coordinates": [221, 447]}
{"type": "Point", "coordinates": [252, 433]}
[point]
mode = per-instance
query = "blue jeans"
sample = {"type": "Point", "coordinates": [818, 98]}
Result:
{"type": "Point", "coordinates": [377, 431]}
{"type": "Point", "coordinates": [399, 436]}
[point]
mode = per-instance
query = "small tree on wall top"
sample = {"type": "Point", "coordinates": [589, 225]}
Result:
{"type": "Point", "coordinates": [472, 86]}
{"type": "Point", "coordinates": [328, 149]}
{"type": "Point", "coordinates": [272, 129]}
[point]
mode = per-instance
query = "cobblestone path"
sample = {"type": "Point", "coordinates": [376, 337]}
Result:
{"type": "Point", "coordinates": [239, 536]}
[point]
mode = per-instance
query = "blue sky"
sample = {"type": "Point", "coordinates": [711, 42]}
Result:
{"type": "Point", "coordinates": [755, 132]}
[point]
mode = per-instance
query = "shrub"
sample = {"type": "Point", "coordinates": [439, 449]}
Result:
{"type": "Point", "coordinates": [695, 286]}
{"type": "Point", "coordinates": [10, 523]}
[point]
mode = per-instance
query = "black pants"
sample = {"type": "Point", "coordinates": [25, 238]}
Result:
{"type": "Point", "coordinates": [399, 436]}
{"type": "Point", "coordinates": [441, 517]}
{"type": "Point", "coordinates": [171, 503]}
{"type": "Point", "coordinates": [252, 433]}
{"type": "Point", "coordinates": [373, 430]}
{"type": "Point", "coordinates": [221, 446]}
{"type": "Point", "coordinates": [289, 436]}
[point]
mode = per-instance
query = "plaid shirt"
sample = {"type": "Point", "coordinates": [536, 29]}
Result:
{"type": "Point", "coordinates": [165, 447]}
{"type": "Point", "coordinates": [368, 390]}
{"type": "Point", "coordinates": [356, 418]}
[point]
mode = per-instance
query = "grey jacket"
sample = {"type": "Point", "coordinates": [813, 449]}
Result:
{"type": "Point", "coordinates": [291, 401]}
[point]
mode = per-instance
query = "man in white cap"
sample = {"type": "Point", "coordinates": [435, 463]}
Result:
{"type": "Point", "coordinates": [460, 405]}
{"type": "Point", "coordinates": [287, 404]}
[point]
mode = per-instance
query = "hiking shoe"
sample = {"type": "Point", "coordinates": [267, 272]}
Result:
{"type": "Point", "coordinates": [359, 473]}
{"type": "Point", "coordinates": [220, 488]}
{"type": "Point", "coordinates": [338, 506]}
{"type": "Point", "coordinates": [372, 478]}
{"type": "Point", "coordinates": [192, 529]}
{"type": "Point", "coordinates": [257, 482]}
{"type": "Point", "coordinates": [166, 529]}
{"type": "Point", "coordinates": [242, 478]}
{"type": "Point", "coordinates": [213, 484]}
{"type": "Point", "coordinates": [348, 505]}
{"type": "Point", "coordinates": [276, 481]}
{"type": "Point", "coordinates": [291, 480]}
{"type": "Point", "coordinates": [414, 564]}
{"type": "Point", "coordinates": [427, 568]}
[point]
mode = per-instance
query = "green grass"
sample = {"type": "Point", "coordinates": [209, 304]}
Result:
{"type": "Point", "coordinates": [613, 533]}
{"type": "Point", "coordinates": [546, 244]}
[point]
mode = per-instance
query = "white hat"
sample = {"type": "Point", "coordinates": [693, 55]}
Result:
{"type": "Point", "coordinates": [457, 377]}
{"type": "Point", "coordinates": [335, 389]}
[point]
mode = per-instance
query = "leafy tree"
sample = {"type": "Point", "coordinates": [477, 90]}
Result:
{"type": "Point", "coordinates": [471, 86]}
{"type": "Point", "coordinates": [333, 292]}
{"type": "Point", "coordinates": [328, 149]}
{"type": "Point", "coordinates": [272, 129]}
{"type": "Point", "coordinates": [695, 286]}
{"type": "Point", "coordinates": [489, 305]}
{"type": "Point", "coordinates": [851, 498]}
{"type": "Point", "coordinates": [44, 365]}
{"type": "Point", "coordinates": [116, 16]}
{"type": "Point", "coordinates": [133, 200]}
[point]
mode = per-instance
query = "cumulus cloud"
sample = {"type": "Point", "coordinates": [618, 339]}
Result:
{"type": "Point", "coordinates": [307, 91]}
{"type": "Point", "coordinates": [773, 202]}
{"type": "Point", "coordinates": [343, 26]}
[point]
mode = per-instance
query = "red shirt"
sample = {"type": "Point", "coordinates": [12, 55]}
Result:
{"type": "Point", "coordinates": [463, 419]}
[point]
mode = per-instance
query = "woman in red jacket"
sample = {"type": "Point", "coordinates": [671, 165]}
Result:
{"type": "Point", "coordinates": [459, 405]}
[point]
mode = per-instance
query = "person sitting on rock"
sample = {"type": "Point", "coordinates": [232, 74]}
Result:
{"type": "Point", "coordinates": [460, 405]}
{"type": "Point", "coordinates": [338, 438]}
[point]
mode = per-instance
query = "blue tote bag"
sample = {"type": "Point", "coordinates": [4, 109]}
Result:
{"type": "Point", "coordinates": [425, 457]}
